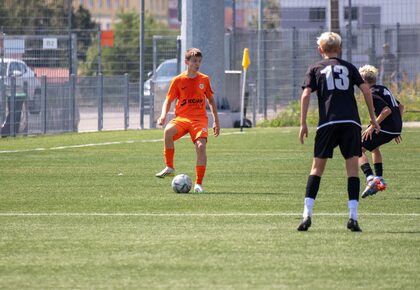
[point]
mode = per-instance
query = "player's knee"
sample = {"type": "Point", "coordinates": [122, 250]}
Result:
{"type": "Point", "coordinates": [169, 133]}
{"type": "Point", "coordinates": [200, 146]}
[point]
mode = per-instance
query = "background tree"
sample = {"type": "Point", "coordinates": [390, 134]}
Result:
{"type": "Point", "coordinates": [271, 11]}
{"type": "Point", "coordinates": [124, 56]}
{"type": "Point", "coordinates": [41, 17]}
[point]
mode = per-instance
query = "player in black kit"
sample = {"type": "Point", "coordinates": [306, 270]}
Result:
{"type": "Point", "coordinates": [333, 80]}
{"type": "Point", "coordinates": [389, 115]}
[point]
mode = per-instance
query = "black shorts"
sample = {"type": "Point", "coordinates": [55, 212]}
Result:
{"type": "Point", "coordinates": [378, 140]}
{"type": "Point", "coordinates": [345, 135]}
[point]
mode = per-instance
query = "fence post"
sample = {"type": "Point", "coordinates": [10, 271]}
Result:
{"type": "Point", "coordinates": [26, 94]}
{"type": "Point", "coordinates": [99, 68]}
{"type": "Point", "coordinates": [398, 76]}
{"type": "Point", "coordinates": [101, 103]}
{"type": "Point", "coordinates": [44, 104]}
{"type": "Point", "coordinates": [372, 55]}
{"type": "Point", "coordinates": [152, 104]}
{"type": "Point", "coordinates": [72, 102]}
{"type": "Point", "coordinates": [178, 53]}
{"type": "Point", "coordinates": [126, 103]}
{"type": "Point", "coordinates": [12, 106]}
{"type": "Point", "coordinates": [2, 86]}
{"type": "Point", "coordinates": [73, 53]}
{"type": "Point", "coordinates": [349, 33]}
{"type": "Point", "coordinates": [295, 57]}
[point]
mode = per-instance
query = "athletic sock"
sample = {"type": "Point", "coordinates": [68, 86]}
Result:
{"type": "Point", "coordinates": [353, 187]}
{"type": "Point", "coordinates": [199, 171]}
{"type": "Point", "coordinates": [312, 187]}
{"type": "Point", "coordinates": [169, 156]}
{"type": "Point", "coordinates": [378, 169]}
{"type": "Point", "coordinates": [353, 204]}
{"type": "Point", "coordinates": [367, 170]}
{"type": "Point", "coordinates": [308, 205]}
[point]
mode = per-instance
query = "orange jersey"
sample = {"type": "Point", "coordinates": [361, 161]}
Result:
{"type": "Point", "coordinates": [190, 95]}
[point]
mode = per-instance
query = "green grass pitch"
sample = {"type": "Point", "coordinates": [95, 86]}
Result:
{"type": "Point", "coordinates": [84, 211]}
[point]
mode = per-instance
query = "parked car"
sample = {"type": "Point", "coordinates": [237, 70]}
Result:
{"type": "Point", "coordinates": [28, 91]}
{"type": "Point", "coordinates": [25, 76]}
{"type": "Point", "coordinates": [165, 72]}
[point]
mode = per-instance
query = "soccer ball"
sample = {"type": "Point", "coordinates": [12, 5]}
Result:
{"type": "Point", "coordinates": [181, 183]}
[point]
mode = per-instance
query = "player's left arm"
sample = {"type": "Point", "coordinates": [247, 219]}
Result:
{"type": "Point", "coordinates": [213, 109]}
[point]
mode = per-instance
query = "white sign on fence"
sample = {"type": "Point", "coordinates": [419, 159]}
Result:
{"type": "Point", "coordinates": [14, 46]}
{"type": "Point", "coordinates": [49, 43]}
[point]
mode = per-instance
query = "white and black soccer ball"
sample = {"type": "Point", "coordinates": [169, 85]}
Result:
{"type": "Point", "coordinates": [181, 183]}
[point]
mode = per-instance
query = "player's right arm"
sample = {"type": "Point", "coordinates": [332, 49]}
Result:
{"type": "Point", "coordinates": [165, 109]}
{"type": "Point", "coordinates": [304, 105]}
{"type": "Point", "coordinates": [173, 93]}
{"type": "Point", "coordinates": [369, 102]}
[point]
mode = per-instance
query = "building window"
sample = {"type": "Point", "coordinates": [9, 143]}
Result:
{"type": "Point", "coordinates": [127, 3]}
{"type": "Point", "coordinates": [91, 4]}
{"type": "Point", "coordinates": [317, 14]}
{"type": "Point", "coordinates": [116, 3]}
{"type": "Point", "coordinates": [108, 4]}
{"type": "Point", "coordinates": [100, 3]}
{"type": "Point", "coordinates": [409, 44]}
{"type": "Point", "coordinates": [354, 13]}
{"type": "Point", "coordinates": [81, 2]}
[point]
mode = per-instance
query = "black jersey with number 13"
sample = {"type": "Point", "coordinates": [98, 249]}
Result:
{"type": "Point", "coordinates": [334, 79]}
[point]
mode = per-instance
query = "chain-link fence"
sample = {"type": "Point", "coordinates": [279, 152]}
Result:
{"type": "Point", "coordinates": [286, 54]}
{"type": "Point", "coordinates": [105, 90]}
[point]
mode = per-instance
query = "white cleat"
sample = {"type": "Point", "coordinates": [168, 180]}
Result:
{"type": "Point", "coordinates": [198, 188]}
{"type": "Point", "coordinates": [168, 171]}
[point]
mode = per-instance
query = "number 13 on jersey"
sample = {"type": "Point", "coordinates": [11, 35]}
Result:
{"type": "Point", "coordinates": [341, 81]}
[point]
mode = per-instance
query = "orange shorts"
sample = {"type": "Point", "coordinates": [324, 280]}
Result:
{"type": "Point", "coordinates": [197, 128]}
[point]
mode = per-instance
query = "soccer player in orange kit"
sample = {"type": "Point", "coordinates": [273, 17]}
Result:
{"type": "Point", "coordinates": [190, 89]}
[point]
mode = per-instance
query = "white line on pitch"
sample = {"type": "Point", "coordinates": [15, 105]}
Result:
{"type": "Point", "coordinates": [96, 144]}
{"type": "Point", "coordinates": [239, 214]}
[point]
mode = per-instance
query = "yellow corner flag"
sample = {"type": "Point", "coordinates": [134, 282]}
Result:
{"type": "Point", "coordinates": [245, 60]}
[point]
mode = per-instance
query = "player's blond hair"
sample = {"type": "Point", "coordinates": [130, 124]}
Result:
{"type": "Point", "coordinates": [369, 73]}
{"type": "Point", "coordinates": [329, 42]}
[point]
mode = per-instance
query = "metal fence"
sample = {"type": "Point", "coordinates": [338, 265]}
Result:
{"type": "Point", "coordinates": [109, 102]}
{"type": "Point", "coordinates": [287, 53]}
{"type": "Point", "coordinates": [104, 94]}
{"type": "Point", "coordinates": [75, 104]}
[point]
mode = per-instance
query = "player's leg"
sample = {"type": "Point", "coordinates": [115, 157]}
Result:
{"type": "Point", "coordinates": [378, 165]}
{"type": "Point", "coordinates": [365, 166]}
{"type": "Point", "coordinates": [200, 168]}
{"type": "Point", "coordinates": [351, 148]}
{"type": "Point", "coordinates": [353, 188]}
{"type": "Point", "coordinates": [199, 135]}
{"type": "Point", "coordinates": [325, 141]}
{"type": "Point", "coordinates": [370, 189]}
{"type": "Point", "coordinates": [377, 161]}
{"type": "Point", "coordinates": [169, 133]}
{"type": "Point", "coordinates": [312, 187]}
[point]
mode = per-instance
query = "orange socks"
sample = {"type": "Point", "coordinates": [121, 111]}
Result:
{"type": "Point", "coordinates": [200, 170]}
{"type": "Point", "coordinates": [169, 157]}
